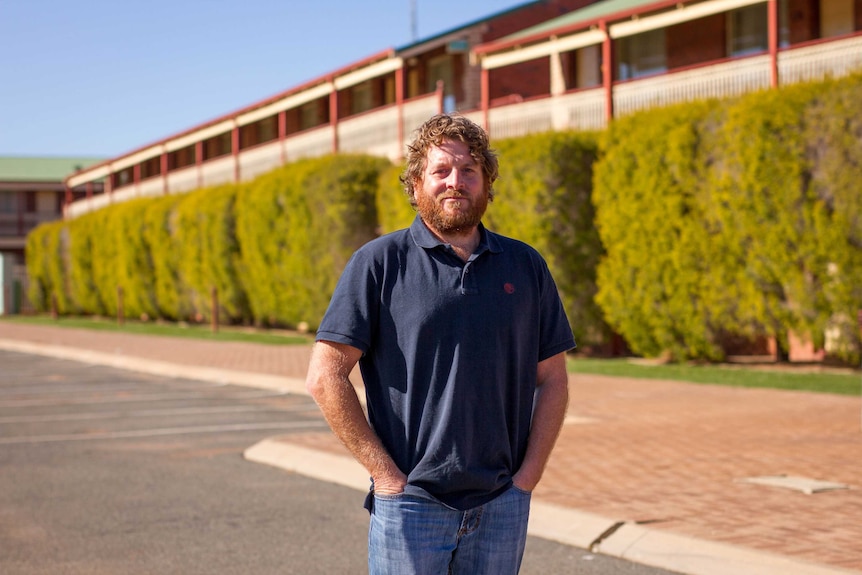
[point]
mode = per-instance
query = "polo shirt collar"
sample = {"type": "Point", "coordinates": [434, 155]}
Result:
{"type": "Point", "coordinates": [425, 239]}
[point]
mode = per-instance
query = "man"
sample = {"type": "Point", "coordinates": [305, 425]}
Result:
{"type": "Point", "coordinates": [460, 337]}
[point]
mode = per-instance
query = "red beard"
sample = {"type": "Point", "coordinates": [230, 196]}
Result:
{"type": "Point", "coordinates": [456, 222]}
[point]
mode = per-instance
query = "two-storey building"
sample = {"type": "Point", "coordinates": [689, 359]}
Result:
{"type": "Point", "coordinates": [32, 191]}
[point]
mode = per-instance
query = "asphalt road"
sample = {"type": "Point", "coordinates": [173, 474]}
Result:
{"type": "Point", "coordinates": [104, 471]}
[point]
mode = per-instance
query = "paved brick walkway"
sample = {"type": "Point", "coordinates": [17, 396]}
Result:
{"type": "Point", "coordinates": [664, 453]}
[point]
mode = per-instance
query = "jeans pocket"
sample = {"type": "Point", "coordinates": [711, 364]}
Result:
{"type": "Point", "coordinates": [524, 492]}
{"type": "Point", "coordinates": [388, 496]}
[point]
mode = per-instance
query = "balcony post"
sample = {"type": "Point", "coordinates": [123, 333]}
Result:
{"type": "Point", "coordinates": [608, 71]}
{"type": "Point", "coordinates": [282, 134]}
{"type": "Point", "coordinates": [234, 150]}
{"type": "Point", "coordinates": [486, 98]}
{"type": "Point", "coordinates": [772, 38]}
{"type": "Point", "coordinates": [333, 115]}
{"type": "Point", "coordinates": [399, 104]}
{"type": "Point", "coordinates": [199, 160]}
{"type": "Point", "coordinates": [163, 168]}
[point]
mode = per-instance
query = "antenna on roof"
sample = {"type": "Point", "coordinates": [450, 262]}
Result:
{"type": "Point", "coordinates": [414, 21]}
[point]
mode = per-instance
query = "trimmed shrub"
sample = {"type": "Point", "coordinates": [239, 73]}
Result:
{"type": "Point", "coordinates": [297, 226]}
{"type": "Point", "coordinates": [543, 197]}
{"type": "Point", "coordinates": [205, 239]}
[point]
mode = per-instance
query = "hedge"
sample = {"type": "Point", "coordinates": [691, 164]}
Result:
{"type": "Point", "coordinates": [737, 217]}
{"type": "Point", "coordinates": [543, 197]}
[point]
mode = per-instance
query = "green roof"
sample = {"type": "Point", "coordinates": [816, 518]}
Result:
{"type": "Point", "coordinates": [586, 14]}
{"type": "Point", "coordinates": [41, 169]}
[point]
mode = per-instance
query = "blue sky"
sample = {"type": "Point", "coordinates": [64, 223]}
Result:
{"type": "Point", "coordinates": [103, 77]}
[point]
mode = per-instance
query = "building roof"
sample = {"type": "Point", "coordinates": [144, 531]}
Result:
{"type": "Point", "coordinates": [467, 26]}
{"type": "Point", "coordinates": [584, 15]}
{"type": "Point", "coordinates": [41, 168]}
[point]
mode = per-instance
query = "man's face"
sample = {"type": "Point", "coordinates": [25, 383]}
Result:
{"type": "Point", "coordinates": [451, 196]}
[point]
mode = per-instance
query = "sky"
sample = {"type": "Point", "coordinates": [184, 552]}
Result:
{"type": "Point", "coordinates": [99, 78]}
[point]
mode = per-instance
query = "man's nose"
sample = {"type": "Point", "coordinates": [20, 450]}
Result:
{"type": "Point", "coordinates": [455, 179]}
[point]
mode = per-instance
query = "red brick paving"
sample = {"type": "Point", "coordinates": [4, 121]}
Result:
{"type": "Point", "coordinates": [662, 452]}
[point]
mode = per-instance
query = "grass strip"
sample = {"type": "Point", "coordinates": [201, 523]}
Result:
{"type": "Point", "coordinates": [224, 333]}
{"type": "Point", "coordinates": [790, 377]}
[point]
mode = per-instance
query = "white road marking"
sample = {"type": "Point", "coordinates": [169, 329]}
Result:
{"type": "Point", "coordinates": [95, 415]}
{"type": "Point", "coordinates": [138, 397]}
{"type": "Point", "coordinates": [161, 432]}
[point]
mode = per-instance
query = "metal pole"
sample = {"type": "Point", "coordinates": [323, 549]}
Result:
{"type": "Point", "coordinates": [120, 313]}
{"type": "Point", "coordinates": [214, 314]}
{"type": "Point", "coordinates": [859, 325]}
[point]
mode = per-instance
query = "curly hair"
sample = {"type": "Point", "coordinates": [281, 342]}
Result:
{"type": "Point", "coordinates": [434, 132]}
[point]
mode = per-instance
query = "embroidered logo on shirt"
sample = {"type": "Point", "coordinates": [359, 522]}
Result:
{"type": "Point", "coordinates": [508, 288]}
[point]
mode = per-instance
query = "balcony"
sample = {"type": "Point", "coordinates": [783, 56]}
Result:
{"type": "Point", "coordinates": [585, 109]}
{"type": "Point", "coordinates": [377, 132]}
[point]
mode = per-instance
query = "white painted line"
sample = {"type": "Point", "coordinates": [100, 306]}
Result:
{"type": "Point", "coordinates": [96, 415]}
{"type": "Point", "coordinates": [161, 432]}
{"type": "Point", "coordinates": [137, 398]}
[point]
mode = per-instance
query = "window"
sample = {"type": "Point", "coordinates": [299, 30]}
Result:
{"type": "Point", "coordinates": [588, 66]}
{"type": "Point", "coordinates": [642, 55]}
{"type": "Point", "coordinates": [747, 30]}
{"type": "Point", "coordinates": [46, 202]}
{"type": "Point", "coordinates": [440, 70]}
{"type": "Point", "coordinates": [217, 146]}
{"type": "Point", "coordinates": [836, 18]}
{"type": "Point", "coordinates": [389, 89]}
{"type": "Point", "coordinates": [413, 83]}
{"type": "Point", "coordinates": [123, 178]}
{"type": "Point", "coordinates": [361, 97]}
{"type": "Point", "coordinates": [8, 202]}
{"type": "Point", "coordinates": [181, 158]}
{"type": "Point", "coordinates": [151, 167]}
{"type": "Point", "coordinates": [310, 115]}
{"type": "Point", "coordinates": [258, 132]}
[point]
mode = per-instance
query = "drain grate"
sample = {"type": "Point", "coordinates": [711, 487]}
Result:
{"type": "Point", "coordinates": [803, 484]}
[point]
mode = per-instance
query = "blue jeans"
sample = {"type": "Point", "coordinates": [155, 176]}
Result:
{"type": "Point", "coordinates": [411, 535]}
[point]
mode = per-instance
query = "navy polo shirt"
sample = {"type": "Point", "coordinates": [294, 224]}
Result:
{"type": "Point", "coordinates": [450, 351]}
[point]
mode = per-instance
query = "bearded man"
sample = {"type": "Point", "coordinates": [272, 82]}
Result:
{"type": "Point", "coordinates": [461, 338]}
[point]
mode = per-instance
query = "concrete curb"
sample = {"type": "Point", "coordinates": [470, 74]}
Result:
{"type": "Point", "coordinates": [622, 539]}
{"type": "Point", "coordinates": [162, 368]}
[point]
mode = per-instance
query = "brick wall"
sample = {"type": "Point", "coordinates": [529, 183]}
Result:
{"type": "Point", "coordinates": [523, 80]}
{"type": "Point", "coordinates": [698, 41]}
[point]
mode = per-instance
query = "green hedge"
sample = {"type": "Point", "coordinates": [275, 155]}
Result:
{"type": "Point", "coordinates": [204, 233]}
{"type": "Point", "coordinates": [543, 197]}
{"type": "Point", "coordinates": [394, 211]}
{"type": "Point", "coordinates": [297, 226]}
{"type": "Point", "coordinates": [647, 187]}
{"type": "Point", "coordinates": [737, 217]}
{"type": "Point", "coordinates": [45, 267]}
{"type": "Point", "coordinates": [272, 249]}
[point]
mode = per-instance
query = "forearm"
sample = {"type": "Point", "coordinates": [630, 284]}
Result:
{"type": "Point", "coordinates": [329, 384]}
{"type": "Point", "coordinates": [548, 415]}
